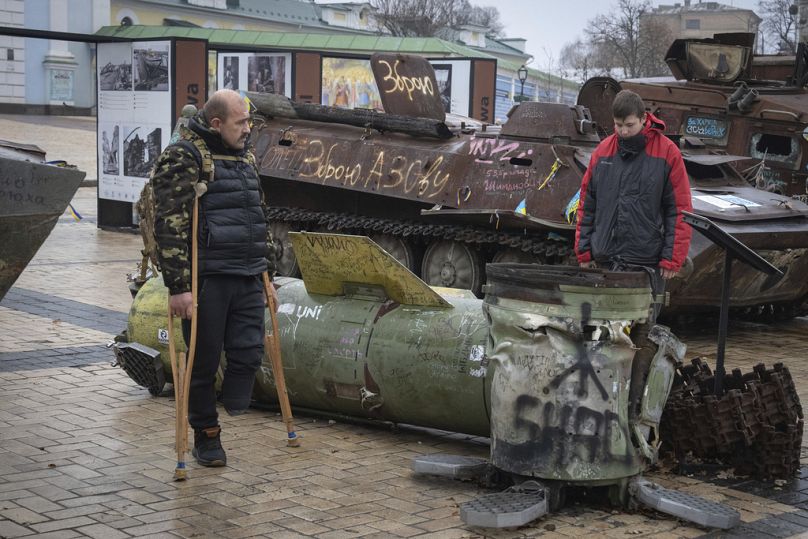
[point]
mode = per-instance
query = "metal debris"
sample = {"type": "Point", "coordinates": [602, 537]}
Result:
{"type": "Point", "coordinates": [755, 427]}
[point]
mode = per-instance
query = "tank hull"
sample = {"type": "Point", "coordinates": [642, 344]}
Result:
{"type": "Point", "coordinates": [448, 207]}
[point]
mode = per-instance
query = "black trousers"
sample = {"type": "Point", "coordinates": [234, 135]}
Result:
{"type": "Point", "coordinates": [231, 316]}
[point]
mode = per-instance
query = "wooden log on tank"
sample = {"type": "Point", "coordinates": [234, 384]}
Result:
{"type": "Point", "coordinates": [278, 106]}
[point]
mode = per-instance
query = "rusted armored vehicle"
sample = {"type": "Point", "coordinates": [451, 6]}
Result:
{"type": "Point", "coordinates": [732, 101]}
{"type": "Point", "coordinates": [33, 194]}
{"type": "Point", "coordinates": [445, 195]}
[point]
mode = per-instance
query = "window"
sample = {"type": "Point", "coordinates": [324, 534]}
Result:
{"type": "Point", "coordinates": [126, 21]}
{"type": "Point", "coordinates": [773, 147]}
{"type": "Point", "coordinates": [693, 24]}
{"type": "Point", "coordinates": [10, 54]}
{"type": "Point", "coordinates": [340, 17]}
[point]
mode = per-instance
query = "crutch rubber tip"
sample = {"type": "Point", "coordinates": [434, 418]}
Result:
{"type": "Point", "coordinates": [180, 472]}
{"type": "Point", "coordinates": [293, 440]}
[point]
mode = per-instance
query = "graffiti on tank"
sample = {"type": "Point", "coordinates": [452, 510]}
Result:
{"type": "Point", "coordinates": [595, 435]}
{"type": "Point", "coordinates": [700, 126]}
{"type": "Point", "coordinates": [335, 163]}
{"type": "Point", "coordinates": [489, 150]}
{"type": "Point", "coordinates": [403, 84]}
{"type": "Point", "coordinates": [500, 181]}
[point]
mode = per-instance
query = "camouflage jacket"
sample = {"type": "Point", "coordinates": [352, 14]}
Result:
{"type": "Point", "coordinates": [175, 174]}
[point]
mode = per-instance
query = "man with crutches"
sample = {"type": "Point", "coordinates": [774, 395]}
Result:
{"type": "Point", "coordinates": [211, 169]}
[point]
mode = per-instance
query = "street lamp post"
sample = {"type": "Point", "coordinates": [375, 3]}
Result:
{"type": "Point", "coordinates": [794, 11]}
{"type": "Point", "coordinates": [522, 73]}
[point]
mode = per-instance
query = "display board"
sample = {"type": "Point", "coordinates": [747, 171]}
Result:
{"type": "Point", "coordinates": [255, 72]}
{"type": "Point", "coordinates": [454, 84]}
{"type": "Point", "coordinates": [349, 83]}
{"type": "Point", "coordinates": [134, 114]}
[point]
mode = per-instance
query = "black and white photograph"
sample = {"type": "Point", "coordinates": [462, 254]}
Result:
{"type": "Point", "coordinates": [230, 73]}
{"type": "Point", "coordinates": [141, 147]}
{"type": "Point", "coordinates": [266, 74]}
{"type": "Point", "coordinates": [115, 67]}
{"type": "Point", "coordinates": [443, 76]}
{"type": "Point", "coordinates": [110, 137]}
{"type": "Point", "coordinates": [150, 61]}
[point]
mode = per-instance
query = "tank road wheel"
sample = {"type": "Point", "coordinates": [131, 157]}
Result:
{"type": "Point", "coordinates": [287, 262]}
{"type": "Point", "coordinates": [452, 264]}
{"type": "Point", "coordinates": [398, 247]}
{"type": "Point", "coordinates": [514, 256]}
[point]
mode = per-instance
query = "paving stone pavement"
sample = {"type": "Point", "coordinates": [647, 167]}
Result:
{"type": "Point", "coordinates": [84, 452]}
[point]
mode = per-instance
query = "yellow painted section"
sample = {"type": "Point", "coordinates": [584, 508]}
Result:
{"type": "Point", "coordinates": [453, 292]}
{"type": "Point", "coordinates": [153, 16]}
{"type": "Point", "coordinates": [328, 261]}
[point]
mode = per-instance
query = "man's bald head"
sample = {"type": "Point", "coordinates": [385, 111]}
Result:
{"type": "Point", "coordinates": [220, 103]}
{"type": "Point", "coordinates": [228, 115]}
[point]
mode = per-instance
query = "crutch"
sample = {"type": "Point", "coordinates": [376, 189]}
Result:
{"type": "Point", "coordinates": [181, 369]}
{"type": "Point", "coordinates": [273, 346]}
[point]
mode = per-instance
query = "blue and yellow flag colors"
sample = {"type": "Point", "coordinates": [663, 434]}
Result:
{"type": "Point", "coordinates": [72, 211]}
{"type": "Point", "coordinates": [571, 211]}
{"type": "Point", "coordinates": [522, 207]}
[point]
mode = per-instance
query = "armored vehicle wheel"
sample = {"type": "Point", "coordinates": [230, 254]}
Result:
{"type": "Point", "coordinates": [452, 264]}
{"type": "Point", "coordinates": [400, 248]}
{"type": "Point", "coordinates": [514, 256]}
{"type": "Point", "coordinates": [287, 263]}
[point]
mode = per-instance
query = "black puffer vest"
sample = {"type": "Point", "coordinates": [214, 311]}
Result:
{"type": "Point", "coordinates": [232, 225]}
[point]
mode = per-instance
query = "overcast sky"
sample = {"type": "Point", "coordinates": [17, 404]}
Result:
{"type": "Point", "coordinates": [549, 24]}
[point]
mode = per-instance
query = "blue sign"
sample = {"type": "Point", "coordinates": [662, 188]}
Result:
{"type": "Point", "coordinates": [703, 127]}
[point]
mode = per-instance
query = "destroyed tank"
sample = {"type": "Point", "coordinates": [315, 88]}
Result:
{"type": "Point", "coordinates": [445, 195]}
{"type": "Point", "coordinates": [730, 100]}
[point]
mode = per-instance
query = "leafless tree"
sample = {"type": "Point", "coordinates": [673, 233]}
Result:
{"type": "Point", "coordinates": [487, 16]}
{"type": "Point", "coordinates": [577, 58]}
{"type": "Point", "coordinates": [778, 24]}
{"type": "Point", "coordinates": [628, 39]}
{"type": "Point", "coordinates": [426, 18]}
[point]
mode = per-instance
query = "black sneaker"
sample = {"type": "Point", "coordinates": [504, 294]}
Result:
{"type": "Point", "coordinates": [208, 449]}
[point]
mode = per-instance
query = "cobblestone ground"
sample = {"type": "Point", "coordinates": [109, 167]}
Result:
{"type": "Point", "coordinates": [85, 452]}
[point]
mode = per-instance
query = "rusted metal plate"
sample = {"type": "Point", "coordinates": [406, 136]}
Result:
{"type": "Point", "coordinates": [407, 85]}
{"type": "Point", "coordinates": [340, 158]}
{"type": "Point", "coordinates": [329, 261]}
{"type": "Point", "coordinates": [556, 123]}
{"type": "Point", "coordinates": [597, 94]}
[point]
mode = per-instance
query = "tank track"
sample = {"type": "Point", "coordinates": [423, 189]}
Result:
{"type": "Point", "coordinates": [550, 247]}
{"type": "Point", "coordinates": [755, 427]}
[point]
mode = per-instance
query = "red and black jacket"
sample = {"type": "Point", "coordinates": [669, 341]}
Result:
{"type": "Point", "coordinates": [630, 210]}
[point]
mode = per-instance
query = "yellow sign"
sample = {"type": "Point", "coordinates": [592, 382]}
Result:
{"type": "Point", "coordinates": [330, 261]}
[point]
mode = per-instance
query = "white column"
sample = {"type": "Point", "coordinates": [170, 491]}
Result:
{"type": "Point", "coordinates": [60, 64]}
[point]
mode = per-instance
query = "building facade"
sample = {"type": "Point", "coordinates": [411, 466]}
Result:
{"type": "Point", "coordinates": [703, 19]}
{"type": "Point", "coordinates": [12, 54]}
{"type": "Point", "coordinates": [48, 75]}
{"type": "Point", "coordinates": [60, 76]}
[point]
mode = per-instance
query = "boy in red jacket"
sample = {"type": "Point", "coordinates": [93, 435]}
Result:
{"type": "Point", "coordinates": [630, 211]}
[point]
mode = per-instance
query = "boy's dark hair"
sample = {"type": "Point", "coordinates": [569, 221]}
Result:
{"type": "Point", "coordinates": [627, 103]}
